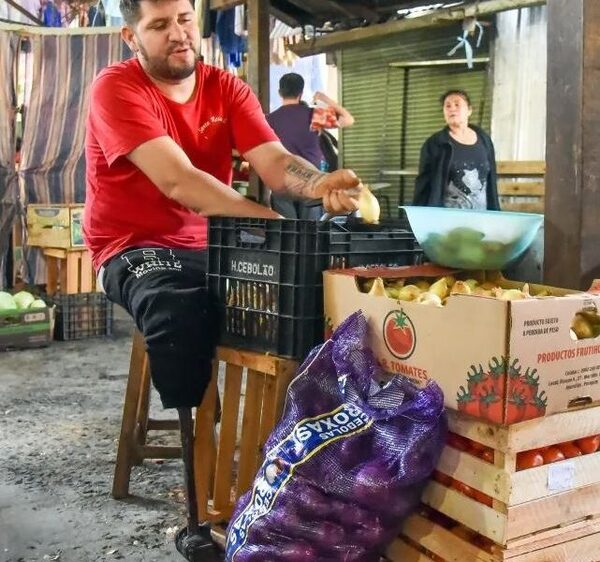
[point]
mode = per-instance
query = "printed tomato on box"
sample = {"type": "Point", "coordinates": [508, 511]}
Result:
{"type": "Point", "coordinates": [399, 334]}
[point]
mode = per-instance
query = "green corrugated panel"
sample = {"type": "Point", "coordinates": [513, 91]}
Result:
{"type": "Point", "coordinates": [365, 79]}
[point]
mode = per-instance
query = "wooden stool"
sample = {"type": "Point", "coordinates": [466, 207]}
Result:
{"type": "Point", "coordinates": [136, 423]}
{"type": "Point", "coordinates": [220, 480]}
{"type": "Point", "coordinates": [70, 271]}
{"type": "Point", "coordinates": [267, 380]}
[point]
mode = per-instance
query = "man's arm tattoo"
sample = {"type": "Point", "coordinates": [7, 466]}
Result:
{"type": "Point", "coordinates": [301, 179]}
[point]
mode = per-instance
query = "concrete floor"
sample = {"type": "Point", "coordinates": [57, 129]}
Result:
{"type": "Point", "coordinates": [60, 413]}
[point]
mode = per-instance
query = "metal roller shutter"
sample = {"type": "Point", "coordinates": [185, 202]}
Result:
{"type": "Point", "coordinates": [393, 90]}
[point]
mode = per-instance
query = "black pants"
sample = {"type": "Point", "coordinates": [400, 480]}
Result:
{"type": "Point", "coordinates": [165, 292]}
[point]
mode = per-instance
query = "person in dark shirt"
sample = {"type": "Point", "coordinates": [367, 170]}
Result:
{"type": "Point", "coordinates": [457, 167]}
{"type": "Point", "coordinates": [292, 124]}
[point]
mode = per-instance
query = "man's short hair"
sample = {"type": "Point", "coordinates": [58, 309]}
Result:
{"type": "Point", "coordinates": [460, 93]}
{"type": "Point", "coordinates": [291, 85]}
{"type": "Point", "coordinates": [130, 10]}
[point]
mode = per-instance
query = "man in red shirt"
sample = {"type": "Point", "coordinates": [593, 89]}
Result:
{"type": "Point", "coordinates": [160, 134]}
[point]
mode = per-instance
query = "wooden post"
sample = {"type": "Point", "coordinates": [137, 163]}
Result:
{"type": "Point", "coordinates": [572, 229]}
{"type": "Point", "coordinates": [258, 69]}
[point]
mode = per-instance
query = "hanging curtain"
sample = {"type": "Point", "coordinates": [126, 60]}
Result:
{"type": "Point", "coordinates": [519, 116]}
{"type": "Point", "coordinates": [9, 41]}
{"type": "Point", "coordinates": [63, 66]}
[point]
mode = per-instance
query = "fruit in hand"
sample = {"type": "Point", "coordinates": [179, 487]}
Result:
{"type": "Point", "coordinates": [368, 206]}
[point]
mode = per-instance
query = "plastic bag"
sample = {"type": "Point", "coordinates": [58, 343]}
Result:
{"type": "Point", "coordinates": [323, 118]}
{"type": "Point", "coordinates": [346, 463]}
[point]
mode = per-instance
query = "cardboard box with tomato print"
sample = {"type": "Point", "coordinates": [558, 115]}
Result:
{"type": "Point", "coordinates": [504, 361]}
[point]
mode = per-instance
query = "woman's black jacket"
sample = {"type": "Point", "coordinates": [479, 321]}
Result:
{"type": "Point", "coordinates": [434, 170]}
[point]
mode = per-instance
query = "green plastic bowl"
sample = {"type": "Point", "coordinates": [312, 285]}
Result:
{"type": "Point", "coordinates": [469, 239]}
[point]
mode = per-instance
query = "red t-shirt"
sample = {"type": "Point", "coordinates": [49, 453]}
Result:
{"type": "Point", "coordinates": [123, 208]}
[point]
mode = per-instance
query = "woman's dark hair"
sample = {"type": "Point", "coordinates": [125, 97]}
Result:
{"type": "Point", "coordinates": [460, 93]}
{"type": "Point", "coordinates": [291, 85]}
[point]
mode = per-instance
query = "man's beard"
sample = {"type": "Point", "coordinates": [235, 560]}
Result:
{"type": "Point", "coordinates": [161, 69]}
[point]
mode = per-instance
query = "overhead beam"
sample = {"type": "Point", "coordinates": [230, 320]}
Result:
{"type": "Point", "coordinates": [287, 18]}
{"type": "Point", "coordinates": [301, 7]}
{"type": "Point", "coordinates": [299, 15]}
{"type": "Point", "coordinates": [335, 6]}
{"type": "Point", "coordinates": [357, 10]}
{"type": "Point", "coordinates": [225, 4]}
{"type": "Point", "coordinates": [339, 39]}
{"type": "Point", "coordinates": [284, 17]}
{"type": "Point", "coordinates": [24, 12]}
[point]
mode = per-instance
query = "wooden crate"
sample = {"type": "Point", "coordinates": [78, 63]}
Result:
{"type": "Point", "coordinates": [70, 271]}
{"type": "Point", "coordinates": [425, 538]}
{"type": "Point", "coordinates": [521, 185]}
{"type": "Point", "coordinates": [227, 458]}
{"type": "Point", "coordinates": [55, 225]}
{"type": "Point", "coordinates": [525, 502]}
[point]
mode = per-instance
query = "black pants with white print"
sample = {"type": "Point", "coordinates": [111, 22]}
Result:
{"type": "Point", "coordinates": [165, 292]}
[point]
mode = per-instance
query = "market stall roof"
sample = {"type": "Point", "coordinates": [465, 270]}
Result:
{"type": "Point", "coordinates": [340, 23]}
{"type": "Point", "coordinates": [337, 15]}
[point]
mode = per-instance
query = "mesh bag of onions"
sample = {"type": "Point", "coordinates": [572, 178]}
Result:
{"type": "Point", "coordinates": [345, 465]}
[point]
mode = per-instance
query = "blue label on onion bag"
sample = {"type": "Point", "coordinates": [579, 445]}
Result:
{"type": "Point", "coordinates": [307, 438]}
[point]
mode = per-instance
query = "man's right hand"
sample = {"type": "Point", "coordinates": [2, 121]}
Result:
{"type": "Point", "coordinates": [339, 191]}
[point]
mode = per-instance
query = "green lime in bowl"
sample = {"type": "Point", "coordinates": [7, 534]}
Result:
{"type": "Point", "coordinates": [472, 239]}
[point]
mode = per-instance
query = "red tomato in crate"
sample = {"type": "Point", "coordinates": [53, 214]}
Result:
{"type": "Point", "coordinates": [442, 478]}
{"type": "Point", "coordinates": [476, 447]}
{"type": "Point", "coordinates": [569, 450]}
{"type": "Point", "coordinates": [552, 454]}
{"type": "Point", "coordinates": [463, 488]}
{"type": "Point", "coordinates": [483, 498]}
{"type": "Point", "coordinates": [458, 442]}
{"type": "Point", "coordinates": [588, 445]}
{"type": "Point", "coordinates": [487, 455]}
{"type": "Point", "coordinates": [529, 459]}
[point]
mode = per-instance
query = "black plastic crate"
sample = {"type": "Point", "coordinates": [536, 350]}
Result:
{"type": "Point", "coordinates": [82, 315]}
{"type": "Point", "coordinates": [266, 275]}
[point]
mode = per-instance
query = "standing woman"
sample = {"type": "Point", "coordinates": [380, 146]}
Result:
{"type": "Point", "coordinates": [457, 167]}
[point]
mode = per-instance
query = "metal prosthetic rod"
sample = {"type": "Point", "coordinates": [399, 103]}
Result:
{"type": "Point", "coordinates": [194, 542]}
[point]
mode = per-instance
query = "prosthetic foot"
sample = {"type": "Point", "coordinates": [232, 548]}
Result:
{"type": "Point", "coordinates": [194, 542]}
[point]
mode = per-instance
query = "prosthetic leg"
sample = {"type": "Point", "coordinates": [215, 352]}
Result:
{"type": "Point", "coordinates": [194, 542]}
